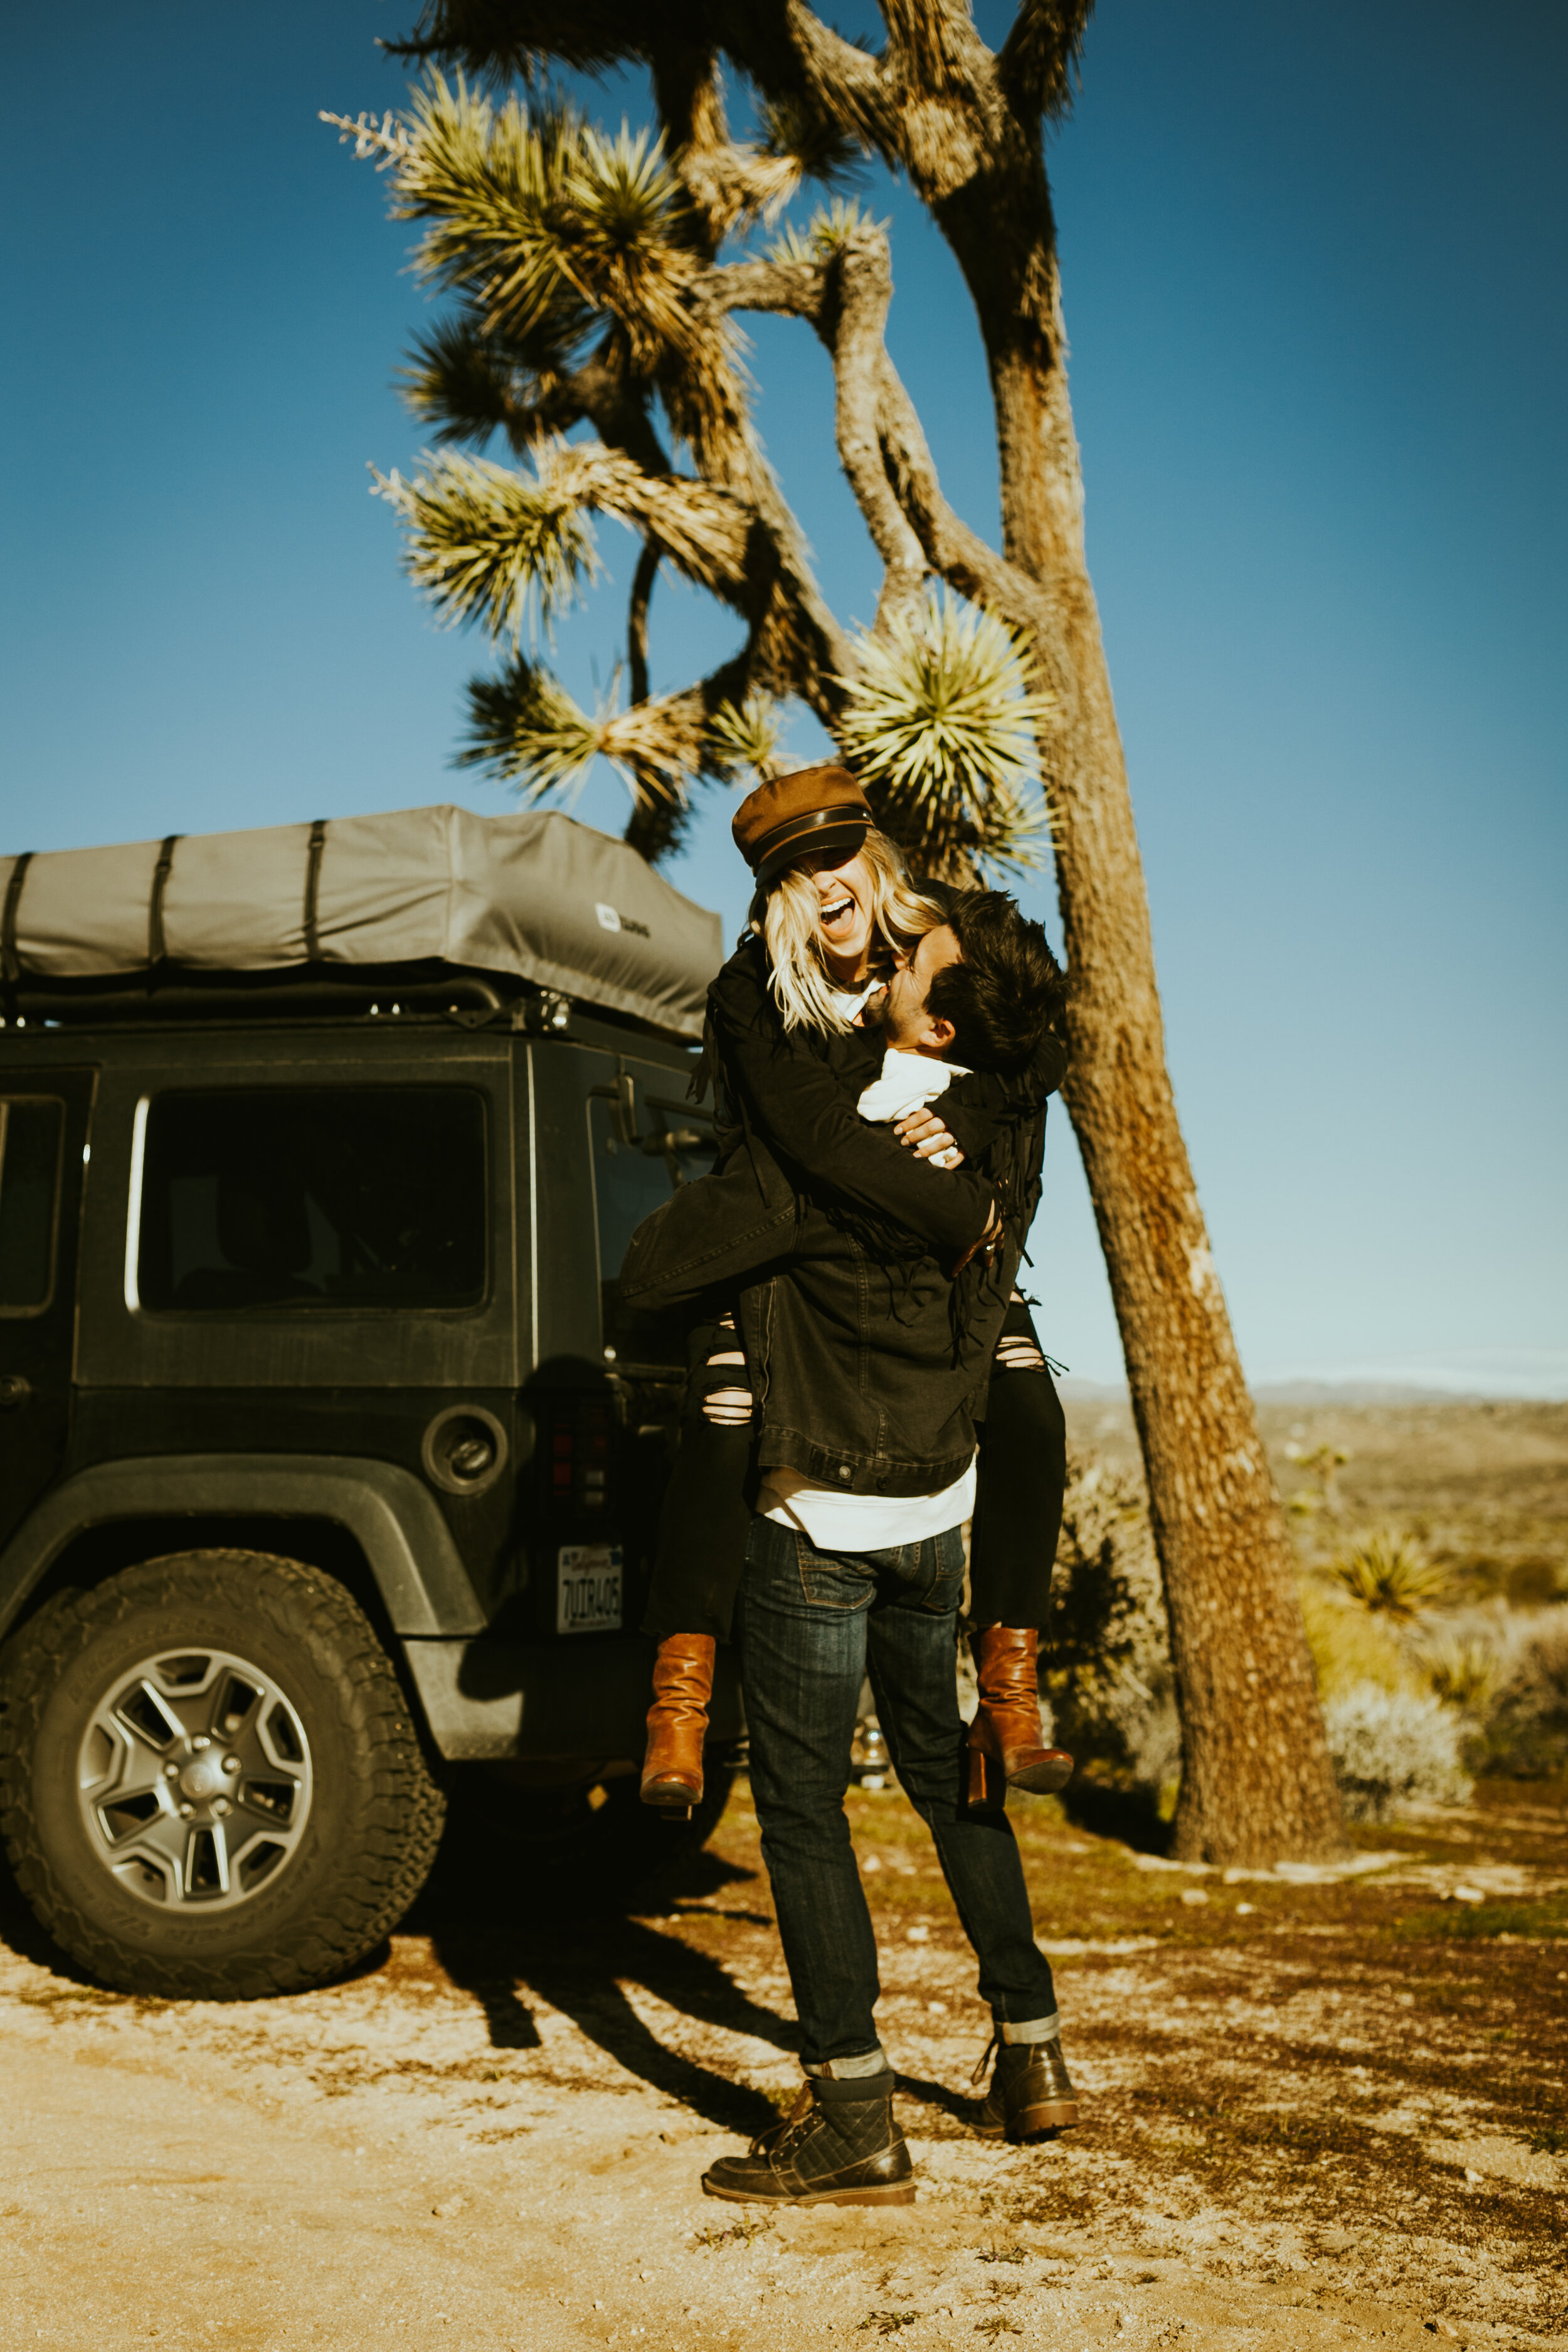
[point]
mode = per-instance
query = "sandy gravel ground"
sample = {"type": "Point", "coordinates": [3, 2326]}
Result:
{"type": "Point", "coordinates": [1318, 2115]}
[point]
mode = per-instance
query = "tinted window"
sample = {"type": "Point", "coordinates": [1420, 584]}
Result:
{"type": "Point", "coordinates": [310, 1199]}
{"type": "Point", "coordinates": [29, 1192]}
{"type": "Point", "coordinates": [645, 1140]}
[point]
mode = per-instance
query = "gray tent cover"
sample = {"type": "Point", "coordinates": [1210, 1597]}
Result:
{"type": "Point", "coordinates": [540, 896]}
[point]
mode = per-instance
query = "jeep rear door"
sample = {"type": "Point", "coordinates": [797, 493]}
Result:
{"type": "Point", "coordinates": [43, 1144]}
{"type": "Point", "coordinates": [613, 1135]}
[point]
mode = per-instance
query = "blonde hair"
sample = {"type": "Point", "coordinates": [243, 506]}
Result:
{"type": "Point", "coordinates": [788, 915]}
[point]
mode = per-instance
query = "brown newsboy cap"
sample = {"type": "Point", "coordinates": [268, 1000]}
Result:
{"type": "Point", "coordinates": [822, 810]}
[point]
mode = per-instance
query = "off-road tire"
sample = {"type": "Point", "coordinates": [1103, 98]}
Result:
{"type": "Point", "coordinates": [376, 1811]}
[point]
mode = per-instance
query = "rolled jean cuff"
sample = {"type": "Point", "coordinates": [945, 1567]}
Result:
{"type": "Point", "coordinates": [1034, 2028]}
{"type": "Point", "coordinates": [848, 2070]}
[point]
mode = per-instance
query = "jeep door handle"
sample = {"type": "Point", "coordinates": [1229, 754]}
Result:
{"type": "Point", "coordinates": [15, 1392]}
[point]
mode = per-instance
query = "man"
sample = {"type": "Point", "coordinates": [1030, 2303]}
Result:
{"type": "Point", "coordinates": [869, 1367]}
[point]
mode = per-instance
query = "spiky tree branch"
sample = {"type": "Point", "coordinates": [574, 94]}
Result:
{"type": "Point", "coordinates": [643, 579]}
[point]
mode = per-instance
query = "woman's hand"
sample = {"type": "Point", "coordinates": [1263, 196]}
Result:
{"type": "Point", "coordinates": [930, 1139]}
{"type": "Point", "coordinates": [987, 1241]}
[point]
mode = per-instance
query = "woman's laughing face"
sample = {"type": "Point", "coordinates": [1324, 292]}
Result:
{"type": "Point", "coordinates": [846, 922]}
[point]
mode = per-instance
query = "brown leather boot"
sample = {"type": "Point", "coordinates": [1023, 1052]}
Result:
{"type": "Point", "coordinates": [677, 1721]}
{"type": "Point", "coordinates": [1031, 2091]}
{"type": "Point", "coordinates": [1006, 1750]}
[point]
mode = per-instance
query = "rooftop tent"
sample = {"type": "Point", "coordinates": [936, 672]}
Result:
{"type": "Point", "coordinates": [537, 895]}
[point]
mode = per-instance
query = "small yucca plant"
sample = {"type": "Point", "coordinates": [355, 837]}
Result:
{"type": "Point", "coordinates": [939, 721]}
{"type": "Point", "coordinates": [1391, 1574]}
{"type": "Point", "coordinates": [1464, 1673]}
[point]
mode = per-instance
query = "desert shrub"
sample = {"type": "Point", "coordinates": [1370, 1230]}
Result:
{"type": "Point", "coordinates": [1391, 1746]}
{"type": "Point", "coordinates": [1106, 1658]}
{"type": "Point", "coordinates": [1350, 1646]}
{"type": "Point", "coordinates": [1391, 1574]}
{"type": "Point", "coordinates": [1464, 1670]}
{"type": "Point", "coordinates": [1526, 1731]}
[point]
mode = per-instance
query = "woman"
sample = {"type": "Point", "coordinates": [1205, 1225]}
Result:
{"type": "Point", "coordinates": [833, 917]}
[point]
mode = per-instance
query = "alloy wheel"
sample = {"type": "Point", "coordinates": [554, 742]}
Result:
{"type": "Point", "coordinates": [194, 1779]}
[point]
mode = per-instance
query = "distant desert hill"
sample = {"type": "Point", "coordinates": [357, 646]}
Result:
{"type": "Point", "coordinates": [1484, 1480]}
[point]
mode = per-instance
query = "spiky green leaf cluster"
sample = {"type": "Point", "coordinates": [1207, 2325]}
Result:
{"type": "Point", "coordinates": [831, 226]}
{"type": "Point", "coordinates": [539, 220]}
{"type": "Point", "coordinates": [491, 545]}
{"type": "Point", "coordinates": [524, 726]}
{"type": "Point", "coordinates": [554, 237]}
{"type": "Point", "coordinates": [941, 721]}
{"type": "Point", "coordinates": [743, 738]}
{"type": "Point", "coordinates": [526, 729]}
{"type": "Point", "coordinates": [502, 548]}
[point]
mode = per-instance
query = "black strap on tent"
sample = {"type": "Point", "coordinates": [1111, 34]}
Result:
{"type": "Point", "coordinates": [10, 961]}
{"type": "Point", "coordinates": [313, 889]}
{"type": "Point", "coordinates": [157, 947]}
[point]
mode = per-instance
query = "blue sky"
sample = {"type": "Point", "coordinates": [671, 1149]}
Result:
{"type": "Point", "coordinates": [1313, 264]}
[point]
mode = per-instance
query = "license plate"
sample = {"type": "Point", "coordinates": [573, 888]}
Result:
{"type": "Point", "coordinates": [588, 1589]}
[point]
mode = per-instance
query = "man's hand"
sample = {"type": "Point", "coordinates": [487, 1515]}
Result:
{"type": "Point", "coordinates": [930, 1141]}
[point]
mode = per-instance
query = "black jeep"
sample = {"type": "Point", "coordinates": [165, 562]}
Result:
{"type": "Point", "coordinates": [329, 1465]}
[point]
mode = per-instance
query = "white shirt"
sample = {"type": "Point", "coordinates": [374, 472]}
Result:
{"type": "Point", "coordinates": [835, 1521]}
{"type": "Point", "coordinates": [908, 1082]}
{"type": "Point", "coordinates": [853, 1001]}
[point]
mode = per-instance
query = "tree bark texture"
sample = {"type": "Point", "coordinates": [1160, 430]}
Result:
{"type": "Point", "coordinates": [1257, 1782]}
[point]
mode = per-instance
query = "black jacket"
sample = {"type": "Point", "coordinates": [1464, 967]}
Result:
{"type": "Point", "coordinates": [788, 1129]}
{"type": "Point", "coordinates": [867, 1359]}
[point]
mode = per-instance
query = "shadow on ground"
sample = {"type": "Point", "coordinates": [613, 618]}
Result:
{"type": "Point", "coordinates": [1130, 1816]}
{"type": "Point", "coordinates": [527, 1905]}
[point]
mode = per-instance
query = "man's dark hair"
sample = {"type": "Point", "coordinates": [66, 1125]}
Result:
{"type": "Point", "coordinates": [1008, 992]}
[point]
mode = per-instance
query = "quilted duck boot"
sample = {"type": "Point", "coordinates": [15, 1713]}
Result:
{"type": "Point", "coordinates": [1031, 2090]}
{"type": "Point", "coordinates": [677, 1721]}
{"type": "Point", "coordinates": [839, 2146]}
{"type": "Point", "coordinates": [1006, 1750]}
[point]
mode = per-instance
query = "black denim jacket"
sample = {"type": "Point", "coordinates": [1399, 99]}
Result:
{"type": "Point", "coordinates": [835, 1240]}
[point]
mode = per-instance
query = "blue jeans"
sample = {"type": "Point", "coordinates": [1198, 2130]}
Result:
{"type": "Point", "coordinates": [811, 1625]}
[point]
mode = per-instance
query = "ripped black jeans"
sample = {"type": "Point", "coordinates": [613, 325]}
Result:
{"type": "Point", "coordinates": [707, 1515]}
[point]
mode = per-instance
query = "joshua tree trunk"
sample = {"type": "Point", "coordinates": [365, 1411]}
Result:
{"type": "Point", "coordinates": [1257, 1778]}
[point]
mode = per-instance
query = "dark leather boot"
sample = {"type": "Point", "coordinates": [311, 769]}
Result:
{"type": "Point", "coordinates": [839, 2146]}
{"type": "Point", "coordinates": [1031, 2091]}
{"type": "Point", "coordinates": [1006, 1750]}
{"type": "Point", "coordinates": [677, 1721]}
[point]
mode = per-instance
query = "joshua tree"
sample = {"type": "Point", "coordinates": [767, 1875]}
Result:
{"type": "Point", "coordinates": [596, 281]}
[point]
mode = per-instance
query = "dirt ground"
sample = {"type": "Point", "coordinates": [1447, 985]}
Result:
{"type": "Point", "coordinates": [1316, 2115]}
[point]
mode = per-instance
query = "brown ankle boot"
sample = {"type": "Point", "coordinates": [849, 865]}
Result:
{"type": "Point", "coordinates": [677, 1720]}
{"type": "Point", "coordinates": [1004, 1745]}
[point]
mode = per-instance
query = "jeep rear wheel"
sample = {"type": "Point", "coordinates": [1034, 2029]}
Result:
{"type": "Point", "coordinates": [212, 1786]}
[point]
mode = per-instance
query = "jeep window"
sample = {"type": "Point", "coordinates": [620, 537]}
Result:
{"type": "Point", "coordinates": [30, 1134]}
{"type": "Point", "coordinates": [643, 1140]}
{"type": "Point", "coordinates": [313, 1199]}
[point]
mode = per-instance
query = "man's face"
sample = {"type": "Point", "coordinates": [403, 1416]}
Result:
{"type": "Point", "coordinates": [905, 1023]}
